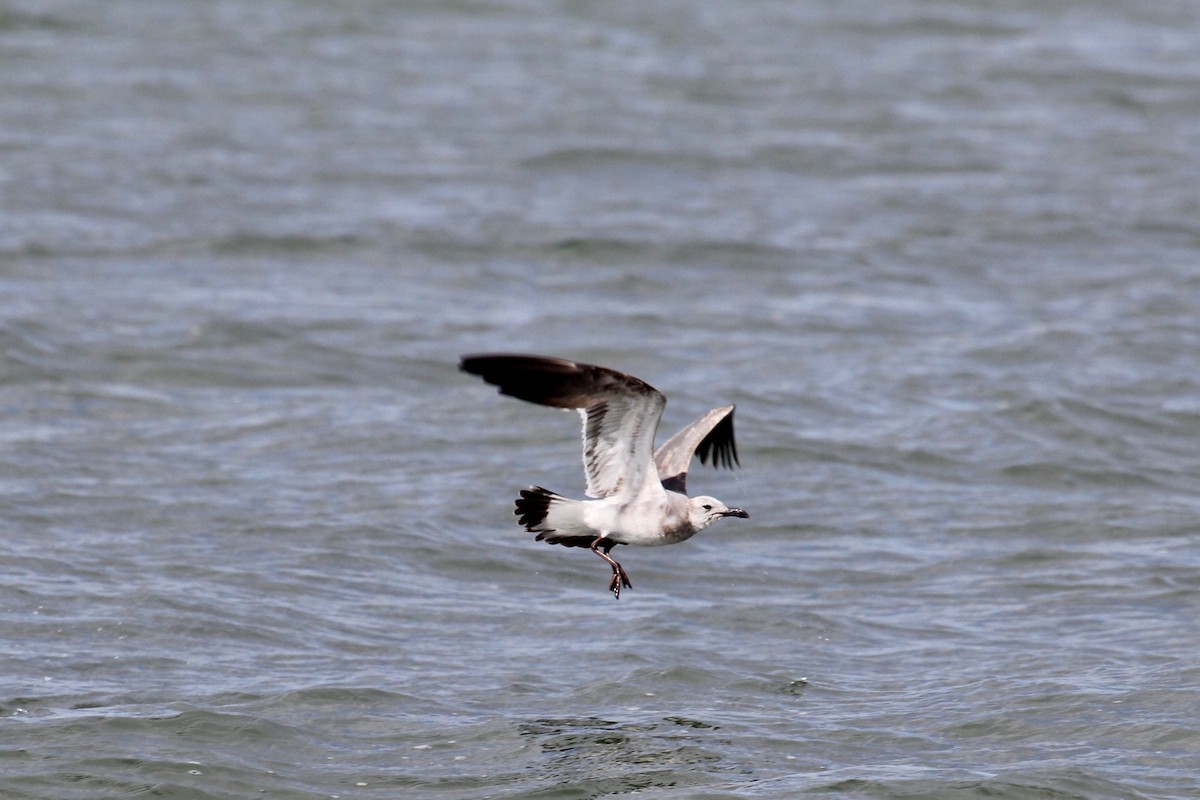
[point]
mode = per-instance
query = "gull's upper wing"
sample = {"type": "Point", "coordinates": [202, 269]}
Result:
{"type": "Point", "coordinates": [620, 413]}
{"type": "Point", "coordinates": [710, 435]}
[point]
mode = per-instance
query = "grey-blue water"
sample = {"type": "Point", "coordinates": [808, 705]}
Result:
{"type": "Point", "coordinates": [256, 531]}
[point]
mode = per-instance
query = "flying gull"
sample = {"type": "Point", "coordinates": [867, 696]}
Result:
{"type": "Point", "coordinates": [639, 494]}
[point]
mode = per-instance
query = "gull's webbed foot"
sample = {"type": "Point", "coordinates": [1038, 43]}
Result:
{"type": "Point", "coordinates": [619, 579]}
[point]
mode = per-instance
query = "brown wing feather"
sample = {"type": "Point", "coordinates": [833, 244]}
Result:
{"type": "Point", "coordinates": [620, 412]}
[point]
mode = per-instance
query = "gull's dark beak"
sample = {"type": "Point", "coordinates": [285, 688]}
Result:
{"type": "Point", "coordinates": [735, 512]}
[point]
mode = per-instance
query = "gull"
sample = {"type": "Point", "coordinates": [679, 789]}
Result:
{"type": "Point", "coordinates": [639, 494]}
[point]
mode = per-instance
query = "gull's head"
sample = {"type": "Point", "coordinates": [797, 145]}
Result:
{"type": "Point", "coordinates": [704, 511]}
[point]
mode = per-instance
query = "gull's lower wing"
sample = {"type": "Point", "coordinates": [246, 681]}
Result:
{"type": "Point", "coordinates": [710, 436]}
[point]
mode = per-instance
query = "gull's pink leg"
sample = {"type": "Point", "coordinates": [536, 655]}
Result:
{"type": "Point", "coordinates": [619, 577]}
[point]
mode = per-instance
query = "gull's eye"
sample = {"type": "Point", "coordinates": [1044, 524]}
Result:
{"type": "Point", "coordinates": [706, 507]}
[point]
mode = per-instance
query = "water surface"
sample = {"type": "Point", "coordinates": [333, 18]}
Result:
{"type": "Point", "coordinates": [257, 528]}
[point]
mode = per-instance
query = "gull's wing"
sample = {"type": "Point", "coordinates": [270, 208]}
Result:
{"type": "Point", "coordinates": [710, 435]}
{"type": "Point", "coordinates": [620, 413]}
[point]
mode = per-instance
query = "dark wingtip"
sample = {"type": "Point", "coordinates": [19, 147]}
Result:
{"type": "Point", "coordinates": [720, 445]}
{"type": "Point", "coordinates": [478, 363]}
{"type": "Point", "coordinates": [543, 380]}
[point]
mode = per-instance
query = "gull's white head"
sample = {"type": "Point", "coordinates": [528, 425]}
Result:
{"type": "Point", "coordinates": [704, 511]}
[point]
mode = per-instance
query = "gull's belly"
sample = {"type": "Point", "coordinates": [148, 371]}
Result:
{"type": "Point", "coordinates": [647, 524]}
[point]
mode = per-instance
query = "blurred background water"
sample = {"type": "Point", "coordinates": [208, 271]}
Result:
{"type": "Point", "coordinates": [257, 533]}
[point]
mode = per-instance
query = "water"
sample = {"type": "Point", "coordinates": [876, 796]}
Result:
{"type": "Point", "coordinates": [258, 538]}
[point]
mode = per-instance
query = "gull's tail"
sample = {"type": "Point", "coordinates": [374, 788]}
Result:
{"type": "Point", "coordinates": [552, 517]}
